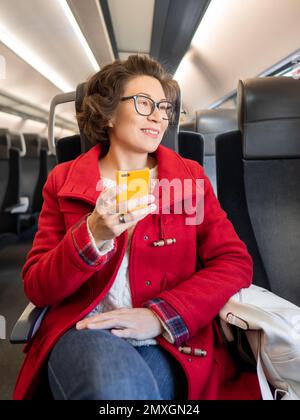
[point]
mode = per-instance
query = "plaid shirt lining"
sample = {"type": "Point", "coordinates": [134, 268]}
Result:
{"type": "Point", "coordinates": [84, 246]}
{"type": "Point", "coordinates": [170, 317]}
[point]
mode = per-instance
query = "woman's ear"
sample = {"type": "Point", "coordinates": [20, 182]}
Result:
{"type": "Point", "coordinates": [111, 121]}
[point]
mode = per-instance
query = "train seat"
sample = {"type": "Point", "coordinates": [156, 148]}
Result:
{"type": "Point", "coordinates": [68, 148]}
{"type": "Point", "coordinates": [51, 158]}
{"type": "Point", "coordinates": [18, 142]}
{"type": "Point", "coordinates": [191, 145]}
{"type": "Point", "coordinates": [5, 142]}
{"type": "Point", "coordinates": [33, 175]}
{"type": "Point", "coordinates": [210, 123]}
{"type": "Point", "coordinates": [258, 172]}
{"type": "Point", "coordinates": [9, 190]}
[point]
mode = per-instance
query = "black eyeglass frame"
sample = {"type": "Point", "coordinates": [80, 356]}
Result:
{"type": "Point", "coordinates": [154, 105]}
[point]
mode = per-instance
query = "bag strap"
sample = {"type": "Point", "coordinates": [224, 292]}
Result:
{"type": "Point", "coordinates": [263, 383]}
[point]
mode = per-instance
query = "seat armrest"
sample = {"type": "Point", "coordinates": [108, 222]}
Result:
{"type": "Point", "coordinates": [21, 207]}
{"type": "Point", "coordinates": [2, 328]}
{"type": "Point", "coordinates": [27, 325]}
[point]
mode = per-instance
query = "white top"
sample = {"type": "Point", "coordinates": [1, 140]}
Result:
{"type": "Point", "coordinates": [119, 295]}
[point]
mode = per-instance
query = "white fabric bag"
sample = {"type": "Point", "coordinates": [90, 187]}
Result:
{"type": "Point", "coordinates": [272, 327]}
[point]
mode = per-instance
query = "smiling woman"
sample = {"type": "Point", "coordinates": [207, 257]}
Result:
{"type": "Point", "coordinates": [109, 86]}
{"type": "Point", "coordinates": [128, 319]}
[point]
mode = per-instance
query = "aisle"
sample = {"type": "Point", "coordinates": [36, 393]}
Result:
{"type": "Point", "coordinates": [12, 304]}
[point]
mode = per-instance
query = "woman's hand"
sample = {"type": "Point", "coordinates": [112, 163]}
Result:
{"type": "Point", "coordinates": [104, 222]}
{"type": "Point", "coordinates": [137, 323]}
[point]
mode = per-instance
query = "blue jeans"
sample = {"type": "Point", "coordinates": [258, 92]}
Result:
{"type": "Point", "coordinates": [96, 365]}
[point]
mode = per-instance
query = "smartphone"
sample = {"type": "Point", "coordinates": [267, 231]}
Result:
{"type": "Point", "coordinates": [138, 186]}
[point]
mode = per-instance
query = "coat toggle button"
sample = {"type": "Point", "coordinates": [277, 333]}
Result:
{"type": "Point", "coordinates": [193, 351]}
{"type": "Point", "coordinates": [163, 242]}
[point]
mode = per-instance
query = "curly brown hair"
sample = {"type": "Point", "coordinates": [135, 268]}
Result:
{"type": "Point", "coordinates": [105, 89]}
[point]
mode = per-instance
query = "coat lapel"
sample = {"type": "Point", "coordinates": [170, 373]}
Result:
{"type": "Point", "coordinates": [82, 182]}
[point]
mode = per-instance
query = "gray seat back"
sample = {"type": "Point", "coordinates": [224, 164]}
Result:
{"type": "Point", "coordinates": [51, 159]}
{"type": "Point", "coordinates": [5, 142]}
{"type": "Point", "coordinates": [9, 188]}
{"type": "Point", "coordinates": [18, 142]}
{"type": "Point", "coordinates": [30, 167]}
{"type": "Point", "coordinates": [210, 123]}
{"type": "Point", "coordinates": [269, 120]}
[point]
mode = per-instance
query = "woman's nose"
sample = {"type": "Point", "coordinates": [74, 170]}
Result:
{"type": "Point", "coordinates": [156, 115]}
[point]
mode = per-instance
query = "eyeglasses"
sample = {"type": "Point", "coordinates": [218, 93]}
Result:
{"type": "Point", "coordinates": [146, 106]}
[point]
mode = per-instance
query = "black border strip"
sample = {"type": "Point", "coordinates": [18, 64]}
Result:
{"type": "Point", "coordinates": [174, 25]}
{"type": "Point", "coordinates": [108, 22]}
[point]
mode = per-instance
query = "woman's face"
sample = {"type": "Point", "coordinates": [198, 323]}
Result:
{"type": "Point", "coordinates": [139, 133]}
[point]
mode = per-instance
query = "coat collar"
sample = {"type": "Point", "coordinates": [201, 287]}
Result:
{"type": "Point", "coordinates": [82, 182]}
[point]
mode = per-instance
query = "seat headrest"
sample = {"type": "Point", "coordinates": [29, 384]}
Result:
{"type": "Point", "coordinates": [5, 143]}
{"type": "Point", "coordinates": [44, 143]}
{"type": "Point", "coordinates": [211, 122]}
{"type": "Point", "coordinates": [16, 141]}
{"type": "Point", "coordinates": [269, 117]}
{"type": "Point", "coordinates": [33, 145]}
{"type": "Point", "coordinates": [216, 121]}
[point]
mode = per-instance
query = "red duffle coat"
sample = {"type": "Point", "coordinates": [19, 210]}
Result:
{"type": "Point", "coordinates": [196, 275]}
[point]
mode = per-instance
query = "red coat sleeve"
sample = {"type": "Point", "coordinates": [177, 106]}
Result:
{"type": "Point", "coordinates": [56, 266]}
{"type": "Point", "coordinates": [227, 267]}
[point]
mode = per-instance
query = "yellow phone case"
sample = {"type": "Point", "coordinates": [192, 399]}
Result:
{"type": "Point", "coordinates": [138, 185]}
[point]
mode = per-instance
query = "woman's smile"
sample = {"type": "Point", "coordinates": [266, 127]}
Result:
{"type": "Point", "coordinates": [151, 132]}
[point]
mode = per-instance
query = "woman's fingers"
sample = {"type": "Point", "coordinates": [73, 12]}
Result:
{"type": "Point", "coordinates": [127, 207]}
{"type": "Point", "coordinates": [115, 315]}
{"type": "Point", "coordinates": [138, 323]}
{"type": "Point", "coordinates": [136, 215]}
{"type": "Point", "coordinates": [107, 204]}
{"type": "Point", "coordinates": [136, 202]}
{"type": "Point", "coordinates": [105, 221]}
{"type": "Point", "coordinates": [106, 324]}
{"type": "Point", "coordinates": [109, 195]}
{"type": "Point", "coordinates": [103, 323]}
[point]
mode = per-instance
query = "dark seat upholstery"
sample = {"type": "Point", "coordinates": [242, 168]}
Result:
{"type": "Point", "coordinates": [210, 123]}
{"type": "Point", "coordinates": [51, 159]}
{"type": "Point", "coordinates": [30, 167]}
{"type": "Point", "coordinates": [5, 142]}
{"type": "Point", "coordinates": [34, 172]}
{"type": "Point", "coordinates": [9, 189]}
{"type": "Point", "coordinates": [18, 142]}
{"type": "Point", "coordinates": [258, 172]}
{"type": "Point", "coordinates": [68, 148]}
{"type": "Point", "coordinates": [191, 146]}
